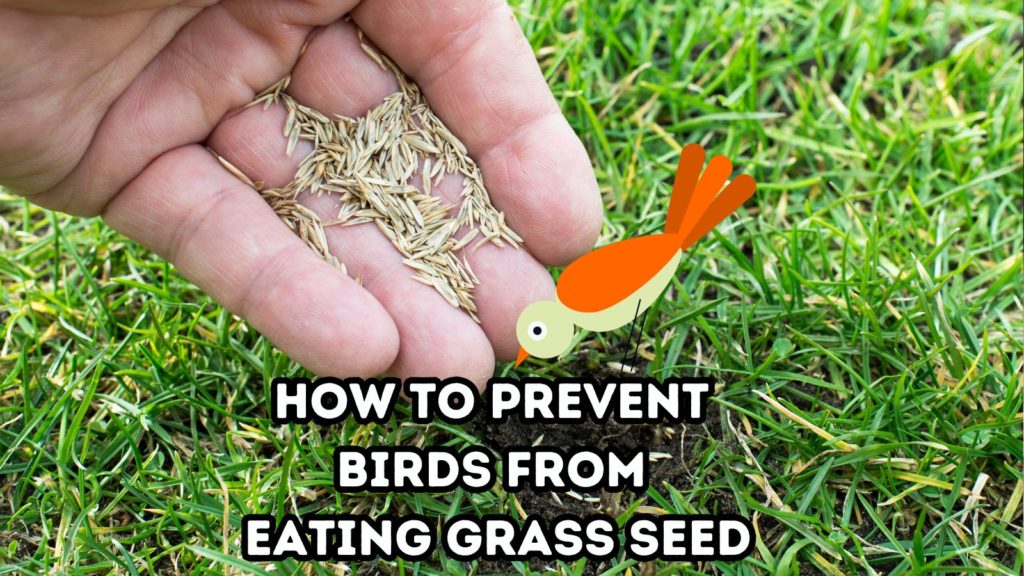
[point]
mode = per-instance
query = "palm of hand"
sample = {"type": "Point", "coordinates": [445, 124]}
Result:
{"type": "Point", "coordinates": [108, 114]}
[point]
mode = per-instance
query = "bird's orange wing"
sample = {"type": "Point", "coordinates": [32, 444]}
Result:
{"type": "Point", "coordinates": [691, 161]}
{"type": "Point", "coordinates": [699, 201]}
{"type": "Point", "coordinates": [735, 194]}
{"type": "Point", "coordinates": [610, 274]}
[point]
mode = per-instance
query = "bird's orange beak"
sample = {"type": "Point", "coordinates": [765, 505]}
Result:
{"type": "Point", "coordinates": [523, 355]}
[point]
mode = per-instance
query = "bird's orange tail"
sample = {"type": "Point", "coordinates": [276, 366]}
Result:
{"type": "Point", "coordinates": [698, 201]}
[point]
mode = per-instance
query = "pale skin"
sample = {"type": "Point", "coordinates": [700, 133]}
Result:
{"type": "Point", "coordinates": [107, 106]}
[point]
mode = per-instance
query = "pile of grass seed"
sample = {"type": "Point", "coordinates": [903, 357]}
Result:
{"type": "Point", "coordinates": [369, 163]}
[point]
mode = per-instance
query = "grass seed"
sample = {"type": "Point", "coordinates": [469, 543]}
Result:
{"type": "Point", "coordinates": [367, 163]}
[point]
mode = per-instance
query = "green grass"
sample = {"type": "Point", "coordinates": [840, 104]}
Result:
{"type": "Point", "coordinates": [872, 289]}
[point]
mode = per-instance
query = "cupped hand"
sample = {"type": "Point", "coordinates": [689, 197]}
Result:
{"type": "Point", "coordinates": [107, 107]}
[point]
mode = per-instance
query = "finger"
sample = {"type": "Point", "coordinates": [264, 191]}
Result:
{"type": "Point", "coordinates": [221, 235]}
{"type": "Point", "coordinates": [480, 75]}
{"type": "Point", "coordinates": [435, 339]}
{"type": "Point", "coordinates": [337, 77]}
{"type": "Point", "coordinates": [95, 8]}
{"type": "Point", "coordinates": [214, 64]}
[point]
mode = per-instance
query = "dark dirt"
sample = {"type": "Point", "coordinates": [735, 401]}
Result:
{"type": "Point", "coordinates": [26, 543]}
{"type": "Point", "coordinates": [685, 444]}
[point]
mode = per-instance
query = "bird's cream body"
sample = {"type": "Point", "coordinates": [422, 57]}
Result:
{"type": "Point", "coordinates": [545, 328]}
{"type": "Point", "coordinates": [625, 310]}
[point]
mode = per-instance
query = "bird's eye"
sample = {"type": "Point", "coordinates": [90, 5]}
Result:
{"type": "Point", "coordinates": [538, 330]}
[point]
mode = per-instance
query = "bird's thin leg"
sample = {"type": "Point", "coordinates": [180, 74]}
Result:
{"type": "Point", "coordinates": [639, 337]}
{"type": "Point", "coordinates": [629, 341]}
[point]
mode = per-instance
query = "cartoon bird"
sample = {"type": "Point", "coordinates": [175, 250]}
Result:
{"type": "Point", "coordinates": [611, 286]}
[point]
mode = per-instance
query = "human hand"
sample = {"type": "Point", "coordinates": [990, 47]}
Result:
{"type": "Point", "coordinates": [106, 107]}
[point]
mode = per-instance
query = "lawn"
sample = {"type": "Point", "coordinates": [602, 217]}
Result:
{"type": "Point", "coordinates": [863, 315]}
